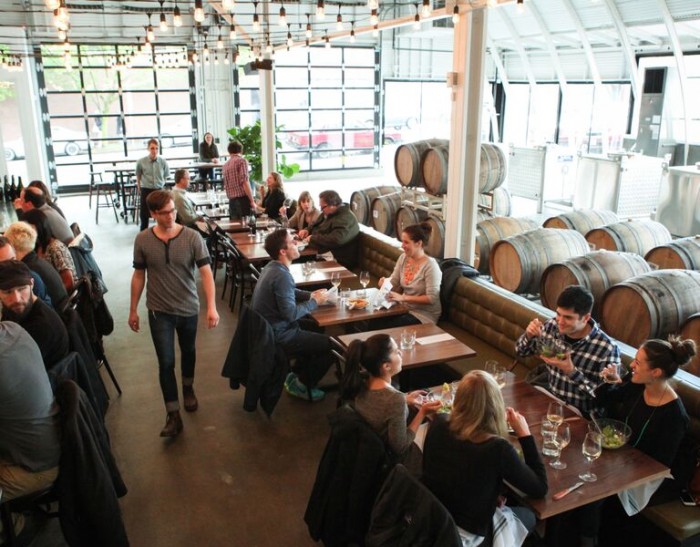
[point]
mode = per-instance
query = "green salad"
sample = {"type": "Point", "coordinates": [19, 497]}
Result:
{"type": "Point", "coordinates": [612, 438]}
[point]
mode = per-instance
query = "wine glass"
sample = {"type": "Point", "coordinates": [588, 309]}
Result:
{"type": "Point", "coordinates": [335, 279]}
{"type": "Point", "coordinates": [591, 449]}
{"type": "Point", "coordinates": [364, 281]}
{"type": "Point", "coordinates": [562, 440]}
{"type": "Point", "coordinates": [555, 413]}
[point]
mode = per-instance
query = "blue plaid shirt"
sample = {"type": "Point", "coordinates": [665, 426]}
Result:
{"type": "Point", "coordinates": [589, 355]}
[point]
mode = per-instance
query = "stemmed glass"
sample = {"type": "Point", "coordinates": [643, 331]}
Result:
{"type": "Point", "coordinates": [591, 449]}
{"type": "Point", "coordinates": [335, 279]}
{"type": "Point", "coordinates": [364, 281]}
{"type": "Point", "coordinates": [562, 440]}
{"type": "Point", "coordinates": [555, 413]}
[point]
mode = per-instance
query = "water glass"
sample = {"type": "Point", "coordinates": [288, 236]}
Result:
{"type": "Point", "coordinates": [408, 339]}
{"type": "Point", "coordinates": [344, 297]}
{"type": "Point", "coordinates": [495, 369]}
{"type": "Point", "coordinates": [611, 373]}
{"type": "Point", "coordinates": [549, 431]}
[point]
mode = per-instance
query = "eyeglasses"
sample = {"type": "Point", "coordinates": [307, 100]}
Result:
{"type": "Point", "coordinates": [324, 207]}
{"type": "Point", "coordinates": [164, 213]}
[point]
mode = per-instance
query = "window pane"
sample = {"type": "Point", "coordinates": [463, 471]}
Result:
{"type": "Point", "coordinates": [327, 119]}
{"type": "Point", "coordinates": [291, 98]}
{"type": "Point", "coordinates": [290, 77]}
{"type": "Point", "coordinates": [575, 125]}
{"type": "Point", "coordinates": [543, 114]}
{"type": "Point", "coordinates": [71, 175]}
{"type": "Point", "coordinates": [174, 101]}
{"type": "Point", "coordinates": [359, 56]}
{"type": "Point", "coordinates": [249, 118]}
{"type": "Point", "coordinates": [65, 103]}
{"type": "Point", "coordinates": [358, 97]}
{"type": "Point", "coordinates": [137, 78]}
{"type": "Point", "coordinates": [517, 105]}
{"type": "Point", "coordinates": [172, 78]}
{"type": "Point", "coordinates": [330, 98]}
{"type": "Point", "coordinates": [145, 127]}
{"type": "Point", "coordinates": [324, 56]}
{"type": "Point", "coordinates": [59, 79]}
{"type": "Point", "coordinates": [326, 77]}
{"type": "Point", "coordinates": [97, 79]}
{"type": "Point", "coordinates": [359, 77]}
{"type": "Point", "coordinates": [250, 98]}
{"type": "Point", "coordinates": [139, 103]}
{"type": "Point", "coordinates": [293, 120]}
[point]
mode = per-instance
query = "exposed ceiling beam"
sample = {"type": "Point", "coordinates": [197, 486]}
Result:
{"type": "Point", "coordinates": [518, 46]}
{"type": "Point", "coordinates": [496, 58]}
{"type": "Point", "coordinates": [588, 50]}
{"type": "Point", "coordinates": [556, 61]}
{"type": "Point", "coordinates": [626, 46]}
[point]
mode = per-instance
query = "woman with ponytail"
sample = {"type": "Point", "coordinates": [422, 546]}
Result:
{"type": "Point", "coordinates": [366, 385]}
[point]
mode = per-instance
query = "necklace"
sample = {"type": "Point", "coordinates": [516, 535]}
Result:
{"type": "Point", "coordinates": [410, 269]}
{"type": "Point", "coordinates": [646, 423]}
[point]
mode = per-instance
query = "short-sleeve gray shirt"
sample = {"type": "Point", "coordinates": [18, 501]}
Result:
{"type": "Point", "coordinates": [171, 286]}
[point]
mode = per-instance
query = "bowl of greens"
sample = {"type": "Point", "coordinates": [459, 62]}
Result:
{"type": "Point", "coordinates": [615, 433]}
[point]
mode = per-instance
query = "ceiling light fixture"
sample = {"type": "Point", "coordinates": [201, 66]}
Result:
{"type": "Point", "coordinates": [455, 14]}
{"type": "Point", "coordinates": [339, 20]}
{"type": "Point", "coordinates": [163, 20]}
{"type": "Point", "coordinates": [256, 19]}
{"type": "Point", "coordinates": [308, 26]}
{"type": "Point", "coordinates": [520, 6]}
{"type": "Point", "coordinates": [352, 32]}
{"type": "Point", "coordinates": [426, 8]}
{"type": "Point", "coordinates": [219, 40]}
{"type": "Point", "coordinates": [283, 17]}
{"type": "Point", "coordinates": [177, 18]}
{"type": "Point", "coordinates": [232, 32]}
{"type": "Point", "coordinates": [227, 5]}
{"type": "Point", "coordinates": [416, 19]}
{"type": "Point", "coordinates": [320, 10]}
{"type": "Point", "coordinates": [375, 31]}
{"type": "Point", "coordinates": [374, 17]}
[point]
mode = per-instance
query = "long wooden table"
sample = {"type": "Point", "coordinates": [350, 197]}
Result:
{"type": "Point", "coordinates": [423, 354]}
{"type": "Point", "coordinates": [333, 314]}
{"type": "Point", "coordinates": [617, 470]}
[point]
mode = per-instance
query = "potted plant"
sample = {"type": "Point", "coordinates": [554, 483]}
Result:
{"type": "Point", "coordinates": [250, 137]}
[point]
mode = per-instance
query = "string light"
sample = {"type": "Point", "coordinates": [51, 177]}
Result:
{"type": "Point", "coordinates": [226, 58]}
{"type": "Point", "coordinates": [52, 4]}
{"type": "Point", "coordinates": [306, 43]}
{"type": "Point", "coordinates": [290, 42]}
{"type": "Point", "coordinates": [455, 14]}
{"type": "Point", "coordinates": [320, 10]}
{"type": "Point", "coordinates": [163, 20]}
{"type": "Point", "coordinates": [352, 32]}
{"type": "Point", "coordinates": [198, 11]}
{"type": "Point", "coordinates": [416, 19]}
{"type": "Point", "coordinates": [374, 17]}
{"type": "Point", "coordinates": [62, 35]}
{"type": "Point", "coordinates": [149, 32]}
{"type": "Point", "coordinates": [177, 18]}
{"type": "Point", "coordinates": [227, 5]}
{"type": "Point", "coordinates": [256, 19]}
{"type": "Point", "coordinates": [205, 50]}
{"type": "Point", "coordinates": [283, 17]}
{"type": "Point", "coordinates": [308, 26]}
{"type": "Point", "coordinates": [220, 41]}
{"type": "Point", "coordinates": [520, 6]}
{"type": "Point", "coordinates": [328, 41]}
{"type": "Point", "coordinates": [426, 8]}
{"type": "Point", "coordinates": [232, 32]}
{"type": "Point", "coordinates": [372, 4]}
{"type": "Point", "coordinates": [339, 20]}
{"type": "Point", "coordinates": [375, 31]}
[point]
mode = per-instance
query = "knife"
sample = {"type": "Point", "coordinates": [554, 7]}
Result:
{"type": "Point", "coordinates": [566, 491]}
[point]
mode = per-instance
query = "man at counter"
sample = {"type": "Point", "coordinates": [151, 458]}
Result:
{"type": "Point", "coordinates": [151, 173]}
{"type": "Point", "coordinates": [574, 378]}
{"type": "Point", "coordinates": [336, 230]}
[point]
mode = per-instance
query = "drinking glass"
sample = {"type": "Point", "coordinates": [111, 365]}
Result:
{"type": "Point", "coordinates": [549, 430]}
{"type": "Point", "coordinates": [562, 440]}
{"type": "Point", "coordinates": [335, 279]}
{"type": "Point", "coordinates": [408, 339]}
{"type": "Point", "coordinates": [364, 281]}
{"type": "Point", "coordinates": [555, 413]}
{"type": "Point", "coordinates": [591, 449]}
{"type": "Point", "coordinates": [498, 372]}
{"type": "Point", "coordinates": [611, 373]}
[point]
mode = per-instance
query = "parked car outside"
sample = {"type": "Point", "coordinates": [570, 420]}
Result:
{"type": "Point", "coordinates": [324, 140]}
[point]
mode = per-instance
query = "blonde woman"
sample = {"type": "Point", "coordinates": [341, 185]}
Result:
{"type": "Point", "coordinates": [273, 196]}
{"type": "Point", "coordinates": [466, 459]}
{"type": "Point", "coordinates": [306, 213]}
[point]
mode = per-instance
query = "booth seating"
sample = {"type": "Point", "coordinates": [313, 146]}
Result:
{"type": "Point", "coordinates": [490, 319]}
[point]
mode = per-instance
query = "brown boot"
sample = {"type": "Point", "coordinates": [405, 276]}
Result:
{"type": "Point", "coordinates": [173, 425]}
{"type": "Point", "coordinates": [190, 399]}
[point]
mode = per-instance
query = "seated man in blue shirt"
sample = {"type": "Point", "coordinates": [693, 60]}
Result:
{"type": "Point", "coordinates": [282, 305]}
{"type": "Point", "coordinates": [574, 378]}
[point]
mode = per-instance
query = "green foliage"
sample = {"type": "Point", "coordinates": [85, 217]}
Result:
{"type": "Point", "coordinates": [250, 137]}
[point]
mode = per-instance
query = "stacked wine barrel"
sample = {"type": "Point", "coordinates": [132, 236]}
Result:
{"type": "Point", "coordinates": [361, 201]}
{"type": "Point", "coordinates": [683, 254]}
{"type": "Point", "coordinates": [581, 220]}
{"type": "Point", "coordinates": [424, 164]}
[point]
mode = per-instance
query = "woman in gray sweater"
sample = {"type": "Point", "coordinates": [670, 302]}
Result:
{"type": "Point", "coordinates": [382, 406]}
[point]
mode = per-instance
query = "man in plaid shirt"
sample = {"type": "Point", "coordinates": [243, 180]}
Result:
{"type": "Point", "coordinates": [236, 183]}
{"type": "Point", "coordinates": [574, 378]}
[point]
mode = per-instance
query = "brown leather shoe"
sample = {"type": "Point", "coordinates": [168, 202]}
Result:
{"type": "Point", "coordinates": [173, 425]}
{"type": "Point", "coordinates": [190, 399]}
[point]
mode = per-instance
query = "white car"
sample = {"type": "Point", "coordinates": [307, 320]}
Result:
{"type": "Point", "coordinates": [65, 142]}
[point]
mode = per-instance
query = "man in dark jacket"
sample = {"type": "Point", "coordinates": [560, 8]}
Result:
{"type": "Point", "coordinates": [336, 230]}
{"type": "Point", "coordinates": [22, 306]}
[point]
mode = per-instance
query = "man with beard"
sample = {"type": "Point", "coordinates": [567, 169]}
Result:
{"type": "Point", "coordinates": [19, 304]}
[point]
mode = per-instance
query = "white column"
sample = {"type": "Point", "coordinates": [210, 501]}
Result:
{"type": "Point", "coordinates": [267, 122]}
{"type": "Point", "coordinates": [466, 81]}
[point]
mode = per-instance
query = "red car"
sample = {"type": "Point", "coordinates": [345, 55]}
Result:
{"type": "Point", "coordinates": [324, 141]}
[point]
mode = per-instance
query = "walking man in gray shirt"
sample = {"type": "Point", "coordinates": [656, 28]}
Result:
{"type": "Point", "coordinates": [170, 252]}
{"type": "Point", "coordinates": [151, 173]}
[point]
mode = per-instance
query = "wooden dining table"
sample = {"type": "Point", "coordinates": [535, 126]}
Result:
{"type": "Point", "coordinates": [254, 251]}
{"type": "Point", "coordinates": [321, 275]}
{"type": "Point", "coordinates": [433, 345]}
{"type": "Point", "coordinates": [617, 470]}
{"type": "Point", "coordinates": [232, 226]}
{"type": "Point", "coordinates": [333, 314]}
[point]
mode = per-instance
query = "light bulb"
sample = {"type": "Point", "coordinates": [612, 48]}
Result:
{"type": "Point", "coordinates": [308, 30]}
{"type": "Point", "coordinates": [219, 43]}
{"type": "Point", "coordinates": [195, 57]}
{"type": "Point", "coordinates": [53, 4]}
{"type": "Point", "coordinates": [150, 34]}
{"type": "Point", "coordinates": [256, 23]}
{"type": "Point", "coordinates": [455, 14]}
{"type": "Point", "coordinates": [226, 59]}
{"type": "Point", "coordinates": [339, 22]}
{"type": "Point", "coordinates": [352, 36]}
{"type": "Point", "coordinates": [227, 5]}
{"type": "Point", "coordinates": [290, 42]}
{"type": "Point", "coordinates": [232, 32]}
{"type": "Point", "coordinates": [372, 4]}
{"type": "Point", "coordinates": [374, 17]}
{"type": "Point", "coordinates": [163, 23]}
{"type": "Point", "coordinates": [426, 9]}
{"type": "Point", "coordinates": [198, 11]}
{"type": "Point", "coordinates": [177, 18]}
{"type": "Point", "coordinates": [520, 6]}
{"type": "Point", "coordinates": [283, 17]}
{"type": "Point", "coordinates": [320, 10]}
{"type": "Point", "coordinates": [62, 35]}
{"type": "Point", "coordinates": [375, 31]}
{"type": "Point", "coordinates": [205, 51]}
{"type": "Point", "coordinates": [416, 21]}
{"type": "Point", "coordinates": [328, 42]}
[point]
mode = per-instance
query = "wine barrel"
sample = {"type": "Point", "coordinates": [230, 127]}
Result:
{"type": "Point", "coordinates": [436, 242]}
{"type": "Point", "coordinates": [682, 254]}
{"type": "Point", "coordinates": [498, 202]}
{"type": "Point", "coordinates": [632, 236]}
{"type": "Point", "coordinates": [581, 220]}
{"type": "Point", "coordinates": [691, 329]}
{"type": "Point", "coordinates": [384, 209]}
{"type": "Point", "coordinates": [517, 263]}
{"type": "Point", "coordinates": [408, 215]}
{"type": "Point", "coordinates": [408, 158]}
{"type": "Point", "coordinates": [361, 201]}
{"type": "Point", "coordinates": [597, 271]}
{"type": "Point", "coordinates": [492, 172]}
{"type": "Point", "coordinates": [651, 305]}
{"type": "Point", "coordinates": [489, 231]}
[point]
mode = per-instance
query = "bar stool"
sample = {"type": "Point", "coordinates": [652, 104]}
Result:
{"type": "Point", "coordinates": [103, 189]}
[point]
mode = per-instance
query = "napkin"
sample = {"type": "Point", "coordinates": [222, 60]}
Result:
{"type": "Point", "coordinates": [386, 304]}
{"type": "Point", "coordinates": [444, 337]}
{"type": "Point", "coordinates": [380, 297]}
{"type": "Point", "coordinates": [332, 295]}
{"type": "Point", "coordinates": [334, 269]}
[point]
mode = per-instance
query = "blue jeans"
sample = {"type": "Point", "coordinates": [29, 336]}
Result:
{"type": "Point", "coordinates": [163, 329]}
